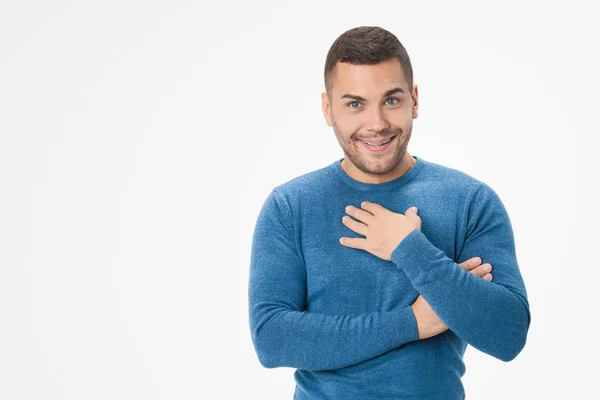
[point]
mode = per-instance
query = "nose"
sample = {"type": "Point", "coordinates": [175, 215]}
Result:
{"type": "Point", "coordinates": [376, 120]}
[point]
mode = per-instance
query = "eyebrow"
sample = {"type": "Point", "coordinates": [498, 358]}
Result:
{"type": "Point", "coordinates": [386, 94]}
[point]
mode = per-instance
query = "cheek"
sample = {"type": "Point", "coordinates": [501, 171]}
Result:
{"type": "Point", "coordinates": [401, 118]}
{"type": "Point", "coordinates": [347, 128]}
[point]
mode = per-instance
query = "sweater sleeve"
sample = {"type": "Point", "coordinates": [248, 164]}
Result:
{"type": "Point", "coordinates": [492, 316]}
{"type": "Point", "coordinates": [283, 333]}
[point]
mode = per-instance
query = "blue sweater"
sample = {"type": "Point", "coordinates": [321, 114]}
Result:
{"type": "Point", "coordinates": [342, 317]}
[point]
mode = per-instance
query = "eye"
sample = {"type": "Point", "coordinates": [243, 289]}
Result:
{"type": "Point", "coordinates": [353, 102]}
{"type": "Point", "coordinates": [397, 100]}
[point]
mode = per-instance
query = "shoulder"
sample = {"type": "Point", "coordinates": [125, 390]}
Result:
{"type": "Point", "coordinates": [460, 184]}
{"type": "Point", "coordinates": [304, 186]}
{"type": "Point", "coordinates": [448, 178]}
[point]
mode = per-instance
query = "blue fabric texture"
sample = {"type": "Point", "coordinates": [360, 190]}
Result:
{"type": "Point", "coordinates": [341, 317]}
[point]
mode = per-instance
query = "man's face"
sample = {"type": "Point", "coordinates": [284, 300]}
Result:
{"type": "Point", "coordinates": [372, 103]}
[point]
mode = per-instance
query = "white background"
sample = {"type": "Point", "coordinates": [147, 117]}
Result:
{"type": "Point", "coordinates": [138, 140]}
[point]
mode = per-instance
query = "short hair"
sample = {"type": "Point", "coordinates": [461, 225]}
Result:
{"type": "Point", "coordinates": [366, 45]}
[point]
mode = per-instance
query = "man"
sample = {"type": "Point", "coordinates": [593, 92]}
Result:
{"type": "Point", "coordinates": [370, 276]}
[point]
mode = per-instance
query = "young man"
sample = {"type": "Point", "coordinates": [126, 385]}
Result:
{"type": "Point", "coordinates": [371, 275]}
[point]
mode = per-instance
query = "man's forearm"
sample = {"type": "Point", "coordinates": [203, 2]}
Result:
{"type": "Point", "coordinates": [315, 341]}
{"type": "Point", "coordinates": [428, 323]}
{"type": "Point", "coordinates": [488, 316]}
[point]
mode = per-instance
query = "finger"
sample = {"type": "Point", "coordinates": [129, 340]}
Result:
{"type": "Point", "coordinates": [372, 207]}
{"type": "Point", "coordinates": [361, 215]}
{"type": "Point", "coordinates": [470, 263]}
{"type": "Point", "coordinates": [355, 243]}
{"type": "Point", "coordinates": [474, 260]}
{"type": "Point", "coordinates": [356, 226]}
{"type": "Point", "coordinates": [482, 270]}
{"type": "Point", "coordinates": [488, 277]}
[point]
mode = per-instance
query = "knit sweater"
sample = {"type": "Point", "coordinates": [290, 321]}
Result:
{"type": "Point", "coordinates": [341, 316]}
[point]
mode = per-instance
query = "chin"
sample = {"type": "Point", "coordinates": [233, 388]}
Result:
{"type": "Point", "coordinates": [375, 166]}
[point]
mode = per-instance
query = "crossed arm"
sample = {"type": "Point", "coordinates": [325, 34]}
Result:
{"type": "Point", "coordinates": [492, 317]}
{"type": "Point", "coordinates": [286, 336]}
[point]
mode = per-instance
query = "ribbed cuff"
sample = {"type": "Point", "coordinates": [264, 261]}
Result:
{"type": "Point", "coordinates": [405, 326]}
{"type": "Point", "coordinates": [414, 253]}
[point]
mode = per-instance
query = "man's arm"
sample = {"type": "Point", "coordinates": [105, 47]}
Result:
{"type": "Point", "coordinates": [283, 334]}
{"type": "Point", "coordinates": [493, 317]}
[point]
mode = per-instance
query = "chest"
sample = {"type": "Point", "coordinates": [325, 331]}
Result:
{"type": "Point", "coordinates": [343, 280]}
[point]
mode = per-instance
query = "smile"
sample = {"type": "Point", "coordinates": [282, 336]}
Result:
{"type": "Point", "coordinates": [377, 146]}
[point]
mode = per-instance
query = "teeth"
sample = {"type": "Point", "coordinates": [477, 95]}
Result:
{"type": "Point", "coordinates": [374, 144]}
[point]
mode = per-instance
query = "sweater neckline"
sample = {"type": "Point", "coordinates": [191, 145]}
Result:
{"type": "Point", "coordinates": [371, 187]}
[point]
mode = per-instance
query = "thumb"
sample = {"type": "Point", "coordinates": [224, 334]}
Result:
{"type": "Point", "coordinates": [412, 210]}
{"type": "Point", "coordinates": [411, 214]}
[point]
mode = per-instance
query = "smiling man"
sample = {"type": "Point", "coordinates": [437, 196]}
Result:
{"type": "Point", "coordinates": [371, 276]}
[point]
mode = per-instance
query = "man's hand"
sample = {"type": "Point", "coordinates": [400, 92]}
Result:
{"type": "Point", "coordinates": [384, 229]}
{"type": "Point", "coordinates": [428, 322]}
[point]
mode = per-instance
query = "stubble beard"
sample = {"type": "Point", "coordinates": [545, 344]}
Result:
{"type": "Point", "coordinates": [372, 165]}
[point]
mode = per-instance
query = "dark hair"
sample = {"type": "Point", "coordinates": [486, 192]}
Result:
{"type": "Point", "coordinates": [366, 45]}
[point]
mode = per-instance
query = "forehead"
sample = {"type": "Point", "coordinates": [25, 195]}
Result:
{"type": "Point", "coordinates": [368, 79]}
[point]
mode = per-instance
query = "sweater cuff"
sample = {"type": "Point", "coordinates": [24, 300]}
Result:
{"type": "Point", "coordinates": [414, 253]}
{"type": "Point", "coordinates": [405, 326]}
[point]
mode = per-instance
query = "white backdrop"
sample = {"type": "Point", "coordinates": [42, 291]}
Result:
{"type": "Point", "coordinates": [138, 140]}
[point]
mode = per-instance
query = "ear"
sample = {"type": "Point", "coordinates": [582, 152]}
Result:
{"type": "Point", "coordinates": [326, 106]}
{"type": "Point", "coordinates": [415, 97]}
